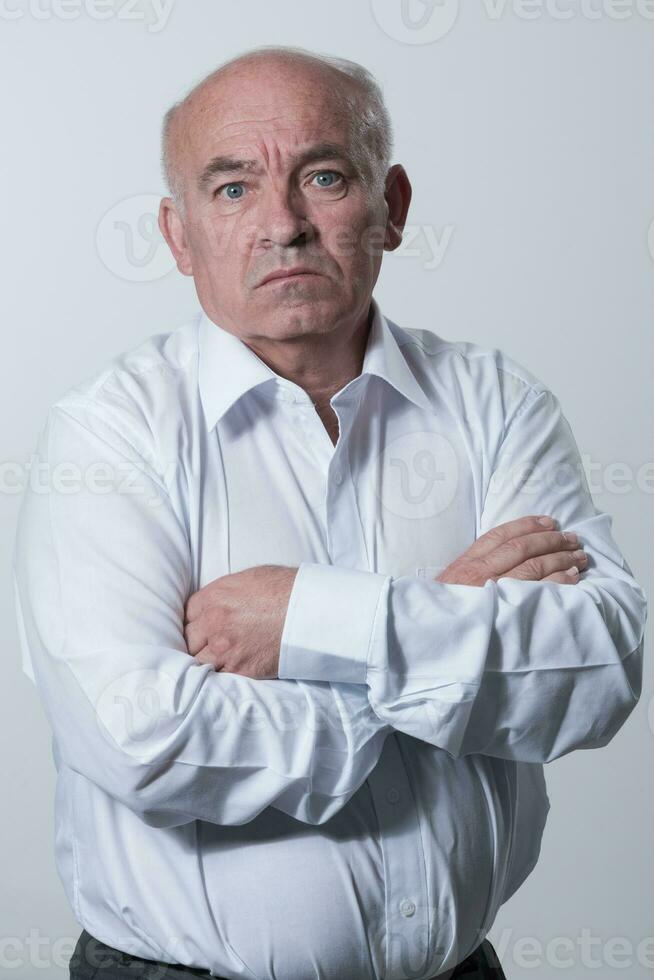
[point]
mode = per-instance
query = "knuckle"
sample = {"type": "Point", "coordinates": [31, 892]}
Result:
{"type": "Point", "coordinates": [495, 536]}
{"type": "Point", "coordinates": [189, 634]}
{"type": "Point", "coordinates": [214, 617]}
{"type": "Point", "coordinates": [559, 560]}
{"type": "Point", "coordinates": [515, 549]}
{"type": "Point", "coordinates": [218, 644]}
{"type": "Point", "coordinates": [533, 568]}
{"type": "Point", "coordinates": [550, 538]}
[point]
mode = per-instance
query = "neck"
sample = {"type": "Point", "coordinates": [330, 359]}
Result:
{"type": "Point", "coordinates": [324, 363]}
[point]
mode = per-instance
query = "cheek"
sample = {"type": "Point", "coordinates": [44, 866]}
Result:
{"type": "Point", "coordinates": [218, 243]}
{"type": "Point", "coordinates": [220, 259]}
{"type": "Point", "coordinates": [215, 238]}
{"type": "Point", "coordinates": [353, 239]}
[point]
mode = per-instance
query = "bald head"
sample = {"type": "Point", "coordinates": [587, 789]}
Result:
{"type": "Point", "coordinates": [279, 160]}
{"type": "Point", "coordinates": [267, 73]}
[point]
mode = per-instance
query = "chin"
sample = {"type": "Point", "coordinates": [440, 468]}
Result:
{"type": "Point", "coordinates": [299, 314]}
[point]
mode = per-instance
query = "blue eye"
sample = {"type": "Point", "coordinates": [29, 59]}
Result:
{"type": "Point", "coordinates": [230, 187]}
{"type": "Point", "coordinates": [327, 173]}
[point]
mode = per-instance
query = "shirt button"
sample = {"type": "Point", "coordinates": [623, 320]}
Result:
{"type": "Point", "coordinates": [392, 795]}
{"type": "Point", "coordinates": [407, 907]}
{"type": "Point", "coordinates": [287, 396]}
{"type": "Point", "coordinates": [338, 478]}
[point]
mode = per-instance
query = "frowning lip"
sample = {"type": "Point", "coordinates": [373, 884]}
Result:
{"type": "Point", "coordinates": [299, 270]}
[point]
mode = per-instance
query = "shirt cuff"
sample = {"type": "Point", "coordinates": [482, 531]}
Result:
{"type": "Point", "coordinates": [330, 624]}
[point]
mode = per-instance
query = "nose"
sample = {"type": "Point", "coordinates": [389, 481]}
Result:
{"type": "Point", "coordinates": [282, 220]}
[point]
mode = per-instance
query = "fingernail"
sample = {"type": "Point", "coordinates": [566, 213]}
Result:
{"type": "Point", "coordinates": [579, 554]}
{"type": "Point", "coordinates": [572, 571]}
{"type": "Point", "coordinates": [571, 536]}
{"type": "Point", "coordinates": [546, 521]}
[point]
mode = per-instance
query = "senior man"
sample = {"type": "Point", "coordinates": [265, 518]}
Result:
{"type": "Point", "coordinates": [340, 591]}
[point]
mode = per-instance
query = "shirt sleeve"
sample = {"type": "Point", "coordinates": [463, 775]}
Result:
{"type": "Point", "coordinates": [101, 572]}
{"type": "Point", "coordinates": [521, 670]}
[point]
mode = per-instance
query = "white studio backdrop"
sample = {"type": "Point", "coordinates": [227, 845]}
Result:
{"type": "Point", "coordinates": [526, 130]}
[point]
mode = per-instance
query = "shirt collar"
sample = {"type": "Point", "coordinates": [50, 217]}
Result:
{"type": "Point", "coordinates": [228, 368]}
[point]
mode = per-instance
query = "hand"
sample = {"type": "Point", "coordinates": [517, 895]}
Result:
{"type": "Point", "coordinates": [521, 549]}
{"type": "Point", "coordinates": [236, 622]}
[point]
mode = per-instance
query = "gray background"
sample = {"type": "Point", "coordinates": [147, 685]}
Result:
{"type": "Point", "coordinates": [527, 134]}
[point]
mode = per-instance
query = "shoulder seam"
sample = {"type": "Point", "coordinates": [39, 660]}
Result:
{"type": "Point", "coordinates": [160, 365]}
{"type": "Point", "coordinates": [451, 346]}
{"type": "Point", "coordinates": [526, 402]}
{"type": "Point", "coordinates": [537, 389]}
{"type": "Point", "coordinates": [152, 475]}
{"type": "Point", "coordinates": [114, 370]}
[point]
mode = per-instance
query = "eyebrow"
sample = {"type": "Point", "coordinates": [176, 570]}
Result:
{"type": "Point", "coordinates": [232, 165]}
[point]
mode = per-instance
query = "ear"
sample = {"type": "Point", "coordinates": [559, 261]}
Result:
{"type": "Point", "coordinates": [398, 198]}
{"type": "Point", "coordinates": [172, 228]}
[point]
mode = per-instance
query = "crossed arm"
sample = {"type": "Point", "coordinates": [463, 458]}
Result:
{"type": "Point", "coordinates": [503, 654]}
{"type": "Point", "coordinates": [516, 668]}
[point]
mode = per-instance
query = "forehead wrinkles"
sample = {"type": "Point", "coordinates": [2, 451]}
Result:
{"type": "Point", "coordinates": [274, 148]}
{"type": "Point", "coordinates": [222, 118]}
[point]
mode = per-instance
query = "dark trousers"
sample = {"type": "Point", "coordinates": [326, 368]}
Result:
{"type": "Point", "coordinates": [94, 960]}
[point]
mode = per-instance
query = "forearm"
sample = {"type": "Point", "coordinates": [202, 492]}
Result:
{"type": "Point", "coordinates": [526, 670]}
{"type": "Point", "coordinates": [130, 709]}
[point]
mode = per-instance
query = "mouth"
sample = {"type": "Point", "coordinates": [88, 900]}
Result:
{"type": "Point", "coordinates": [289, 276]}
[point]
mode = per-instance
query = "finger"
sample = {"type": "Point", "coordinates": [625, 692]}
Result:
{"type": "Point", "coordinates": [486, 543]}
{"type": "Point", "coordinates": [511, 553]}
{"type": "Point", "coordinates": [194, 606]}
{"type": "Point", "coordinates": [206, 657]}
{"type": "Point", "coordinates": [570, 577]}
{"type": "Point", "coordinates": [195, 636]}
{"type": "Point", "coordinates": [537, 568]}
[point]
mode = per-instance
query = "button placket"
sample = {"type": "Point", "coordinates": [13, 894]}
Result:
{"type": "Point", "coordinates": [345, 547]}
{"type": "Point", "coordinates": [406, 894]}
{"type": "Point", "coordinates": [345, 539]}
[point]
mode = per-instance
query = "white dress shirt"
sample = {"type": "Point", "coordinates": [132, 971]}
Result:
{"type": "Point", "coordinates": [366, 814]}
